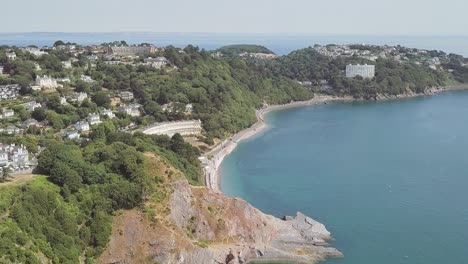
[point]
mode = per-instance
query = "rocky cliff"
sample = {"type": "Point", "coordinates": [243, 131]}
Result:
{"type": "Point", "coordinates": [196, 225]}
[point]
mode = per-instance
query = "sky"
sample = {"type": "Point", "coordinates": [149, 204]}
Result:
{"type": "Point", "coordinates": [366, 17]}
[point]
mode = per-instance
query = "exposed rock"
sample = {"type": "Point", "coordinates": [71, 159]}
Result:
{"type": "Point", "coordinates": [203, 226]}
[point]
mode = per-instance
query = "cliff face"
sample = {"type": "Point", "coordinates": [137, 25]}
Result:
{"type": "Point", "coordinates": [205, 227]}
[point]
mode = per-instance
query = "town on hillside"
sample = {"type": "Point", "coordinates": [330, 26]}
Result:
{"type": "Point", "coordinates": [76, 93]}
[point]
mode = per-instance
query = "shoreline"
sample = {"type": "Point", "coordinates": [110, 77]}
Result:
{"type": "Point", "coordinates": [212, 160]}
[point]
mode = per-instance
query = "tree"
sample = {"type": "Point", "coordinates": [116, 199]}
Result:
{"type": "Point", "coordinates": [59, 43]}
{"type": "Point", "coordinates": [5, 174]}
{"type": "Point", "coordinates": [101, 98]}
{"type": "Point", "coordinates": [39, 114]}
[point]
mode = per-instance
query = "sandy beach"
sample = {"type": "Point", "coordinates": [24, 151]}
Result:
{"type": "Point", "coordinates": [213, 159]}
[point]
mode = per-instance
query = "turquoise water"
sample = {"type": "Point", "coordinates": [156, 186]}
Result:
{"type": "Point", "coordinates": [388, 179]}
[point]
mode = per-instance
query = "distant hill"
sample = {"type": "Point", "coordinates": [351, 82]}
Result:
{"type": "Point", "coordinates": [238, 49]}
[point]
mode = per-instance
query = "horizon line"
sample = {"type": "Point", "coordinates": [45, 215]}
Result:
{"type": "Point", "coordinates": [238, 33]}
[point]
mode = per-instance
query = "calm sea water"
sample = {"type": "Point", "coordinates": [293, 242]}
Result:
{"type": "Point", "coordinates": [389, 179]}
{"type": "Point", "coordinates": [279, 43]}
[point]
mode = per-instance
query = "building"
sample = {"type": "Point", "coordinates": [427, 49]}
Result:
{"type": "Point", "coordinates": [126, 95]}
{"type": "Point", "coordinates": [10, 130]}
{"type": "Point", "coordinates": [11, 55]}
{"type": "Point", "coordinates": [63, 101]}
{"type": "Point", "coordinates": [1, 69]}
{"type": "Point", "coordinates": [3, 158]}
{"type": "Point", "coordinates": [14, 156]}
{"type": "Point", "coordinates": [86, 78]}
{"type": "Point", "coordinates": [108, 113]}
{"type": "Point", "coordinates": [131, 110]}
{"type": "Point", "coordinates": [64, 80]}
{"type": "Point", "coordinates": [82, 126]}
{"type": "Point", "coordinates": [79, 97]}
{"type": "Point", "coordinates": [9, 91]}
{"type": "Point", "coordinates": [46, 82]}
{"type": "Point", "coordinates": [130, 50]}
{"type": "Point", "coordinates": [7, 113]}
{"type": "Point", "coordinates": [188, 108]}
{"type": "Point", "coordinates": [71, 134]}
{"type": "Point", "coordinates": [35, 51]}
{"type": "Point", "coordinates": [67, 64]}
{"type": "Point", "coordinates": [30, 122]}
{"type": "Point", "coordinates": [92, 58]}
{"type": "Point", "coordinates": [185, 128]}
{"type": "Point", "coordinates": [365, 71]}
{"type": "Point", "coordinates": [157, 63]}
{"type": "Point", "coordinates": [30, 106]}
{"type": "Point", "coordinates": [94, 119]}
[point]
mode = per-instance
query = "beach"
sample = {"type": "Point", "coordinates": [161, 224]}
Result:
{"type": "Point", "coordinates": [213, 159]}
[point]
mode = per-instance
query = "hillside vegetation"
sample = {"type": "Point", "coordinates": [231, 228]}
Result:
{"type": "Point", "coordinates": [234, 50]}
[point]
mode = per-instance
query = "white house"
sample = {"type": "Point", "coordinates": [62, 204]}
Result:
{"type": "Point", "coordinates": [35, 51]}
{"type": "Point", "coordinates": [7, 113]}
{"type": "Point", "coordinates": [86, 78]}
{"type": "Point", "coordinates": [30, 122]}
{"type": "Point", "coordinates": [1, 69]}
{"type": "Point", "coordinates": [12, 130]}
{"type": "Point", "coordinates": [157, 63]}
{"type": "Point", "coordinates": [94, 119]}
{"type": "Point", "coordinates": [11, 55]}
{"type": "Point", "coordinates": [82, 126]}
{"type": "Point", "coordinates": [30, 106]}
{"type": "Point", "coordinates": [67, 64]}
{"type": "Point", "coordinates": [63, 101]}
{"type": "Point", "coordinates": [79, 97]}
{"type": "Point", "coordinates": [17, 157]}
{"type": "Point", "coordinates": [189, 108]}
{"type": "Point", "coordinates": [108, 113]}
{"type": "Point", "coordinates": [131, 110]}
{"type": "Point", "coordinates": [126, 95]}
{"type": "Point", "coordinates": [72, 134]}
{"type": "Point", "coordinates": [46, 82]}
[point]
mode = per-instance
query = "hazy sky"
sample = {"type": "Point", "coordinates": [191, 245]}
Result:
{"type": "Point", "coordinates": [375, 17]}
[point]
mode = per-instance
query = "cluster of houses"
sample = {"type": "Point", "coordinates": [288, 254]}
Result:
{"type": "Point", "coordinates": [373, 53]}
{"type": "Point", "coordinates": [85, 125]}
{"type": "Point", "coordinates": [176, 107]}
{"type": "Point", "coordinates": [15, 157]}
{"type": "Point", "coordinates": [35, 51]}
{"type": "Point", "coordinates": [10, 91]}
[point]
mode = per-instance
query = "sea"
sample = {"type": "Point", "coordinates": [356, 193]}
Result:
{"type": "Point", "coordinates": [388, 179]}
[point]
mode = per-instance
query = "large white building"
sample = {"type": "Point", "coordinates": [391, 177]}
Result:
{"type": "Point", "coordinates": [365, 71]}
{"type": "Point", "coordinates": [35, 51]}
{"type": "Point", "coordinates": [46, 82]}
{"type": "Point", "coordinates": [185, 128]}
{"type": "Point", "coordinates": [14, 156]}
{"type": "Point", "coordinates": [11, 55]}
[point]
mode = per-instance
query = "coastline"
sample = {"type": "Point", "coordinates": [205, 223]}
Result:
{"type": "Point", "coordinates": [212, 160]}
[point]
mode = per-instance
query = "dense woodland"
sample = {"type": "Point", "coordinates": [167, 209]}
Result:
{"type": "Point", "coordinates": [67, 215]}
{"type": "Point", "coordinates": [391, 77]}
